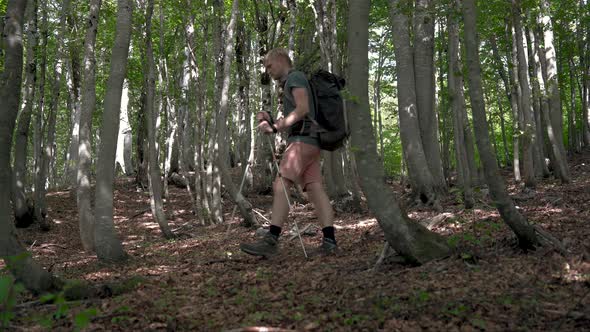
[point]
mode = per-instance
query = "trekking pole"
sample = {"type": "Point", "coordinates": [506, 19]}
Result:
{"type": "Point", "coordinates": [233, 212]}
{"type": "Point", "coordinates": [276, 164]}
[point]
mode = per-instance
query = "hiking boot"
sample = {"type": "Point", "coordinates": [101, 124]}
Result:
{"type": "Point", "coordinates": [327, 248]}
{"type": "Point", "coordinates": [265, 247]}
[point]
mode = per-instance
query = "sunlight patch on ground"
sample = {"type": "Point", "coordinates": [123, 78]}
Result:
{"type": "Point", "coordinates": [360, 224]}
{"type": "Point", "coordinates": [80, 262]}
{"type": "Point", "coordinates": [99, 275]}
{"type": "Point", "coordinates": [573, 274]}
{"type": "Point", "coordinates": [154, 270]}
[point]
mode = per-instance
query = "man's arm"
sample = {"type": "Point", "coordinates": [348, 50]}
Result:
{"type": "Point", "coordinates": [301, 109]}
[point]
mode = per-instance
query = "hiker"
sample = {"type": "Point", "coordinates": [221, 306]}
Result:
{"type": "Point", "coordinates": [301, 160]}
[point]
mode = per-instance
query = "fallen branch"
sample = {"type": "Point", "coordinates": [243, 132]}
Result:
{"type": "Point", "coordinates": [261, 215]}
{"type": "Point", "coordinates": [294, 236]}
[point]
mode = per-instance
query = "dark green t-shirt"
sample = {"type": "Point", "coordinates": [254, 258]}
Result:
{"type": "Point", "coordinates": [297, 79]}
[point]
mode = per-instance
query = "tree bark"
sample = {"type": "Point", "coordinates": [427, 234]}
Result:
{"type": "Point", "coordinates": [88, 98]}
{"type": "Point", "coordinates": [512, 96]}
{"type": "Point", "coordinates": [213, 176]}
{"type": "Point", "coordinates": [154, 173]}
{"type": "Point", "coordinates": [457, 102]}
{"type": "Point", "coordinates": [503, 128]}
{"type": "Point", "coordinates": [411, 240]}
{"type": "Point", "coordinates": [17, 259]}
{"type": "Point", "coordinates": [73, 70]}
{"type": "Point", "coordinates": [123, 138]}
{"type": "Point", "coordinates": [23, 213]}
{"type": "Point", "coordinates": [200, 175]}
{"type": "Point", "coordinates": [48, 149]}
{"type": "Point", "coordinates": [421, 178]}
{"type": "Point", "coordinates": [528, 129]}
{"type": "Point", "coordinates": [551, 82]}
{"type": "Point", "coordinates": [516, 221]}
{"type": "Point", "coordinates": [108, 245]}
{"type": "Point", "coordinates": [542, 169]}
{"type": "Point", "coordinates": [423, 24]}
{"type": "Point", "coordinates": [243, 204]}
{"type": "Point", "coordinates": [39, 114]}
{"type": "Point", "coordinates": [517, 95]}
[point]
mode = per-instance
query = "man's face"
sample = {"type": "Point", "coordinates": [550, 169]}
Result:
{"type": "Point", "coordinates": [275, 67]}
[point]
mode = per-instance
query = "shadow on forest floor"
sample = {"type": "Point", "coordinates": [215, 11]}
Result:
{"type": "Point", "coordinates": [204, 283]}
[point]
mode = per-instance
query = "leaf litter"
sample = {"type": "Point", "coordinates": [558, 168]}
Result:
{"type": "Point", "coordinates": [202, 282]}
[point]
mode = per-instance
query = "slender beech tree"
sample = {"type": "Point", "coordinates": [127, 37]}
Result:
{"type": "Point", "coordinates": [457, 101]}
{"type": "Point", "coordinates": [48, 149]}
{"type": "Point", "coordinates": [108, 245]}
{"type": "Point", "coordinates": [23, 213]}
{"type": "Point", "coordinates": [549, 66]}
{"type": "Point", "coordinates": [154, 173]}
{"type": "Point", "coordinates": [228, 54]}
{"type": "Point", "coordinates": [88, 99]}
{"type": "Point", "coordinates": [18, 260]}
{"type": "Point", "coordinates": [541, 168]}
{"type": "Point", "coordinates": [528, 126]}
{"type": "Point", "coordinates": [525, 233]}
{"type": "Point", "coordinates": [421, 179]}
{"type": "Point", "coordinates": [423, 46]}
{"type": "Point", "coordinates": [411, 240]}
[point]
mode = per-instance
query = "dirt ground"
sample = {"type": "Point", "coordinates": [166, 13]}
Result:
{"type": "Point", "coordinates": [202, 282]}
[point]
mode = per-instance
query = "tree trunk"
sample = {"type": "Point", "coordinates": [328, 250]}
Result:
{"type": "Point", "coordinates": [73, 69]}
{"type": "Point", "coordinates": [442, 108]}
{"type": "Point", "coordinates": [122, 156]}
{"type": "Point", "coordinates": [423, 24]}
{"type": "Point", "coordinates": [517, 96]}
{"type": "Point", "coordinates": [421, 179]}
{"type": "Point", "coordinates": [18, 260]}
{"type": "Point", "coordinates": [528, 128]}
{"type": "Point", "coordinates": [48, 148]}
{"type": "Point", "coordinates": [457, 102]}
{"type": "Point", "coordinates": [551, 82]}
{"type": "Point", "coordinates": [200, 176]}
{"type": "Point", "coordinates": [503, 128]}
{"type": "Point", "coordinates": [584, 47]}
{"type": "Point", "coordinates": [141, 145]}
{"type": "Point", "coordinates": [513, 99]}
{"type": "Point", "coordinates": [23, 213]}
{"type": "Point", "coordinates": [154, 174]}
{"type": "Point", "coordinates": [213, 176]}
{"type": "Point", "coordinates": [243, 204]}
{"type": "Point", "coordinates": [516, 221]}
{"type": "Point", "coordinates": [542, 169]}
{"type": "Point", "coordinates": [292, 6]}
{"type": "Point", "coordinates": [39, 114]}
{"type": "Point", "coordinates": [108, 245]}
{"type": "Point", "coordinates": [243, 51]}
{"type": "Point", "coordinates": [411, 240]}
{"type": "Point", "coordinates": [88, 98]}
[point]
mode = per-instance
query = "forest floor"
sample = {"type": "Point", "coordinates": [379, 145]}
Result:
{"type": "Point", "coordinates": [202, 282]}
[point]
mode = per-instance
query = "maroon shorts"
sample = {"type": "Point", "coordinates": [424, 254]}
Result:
{"type": "Point", "coordinates": [301, 164]}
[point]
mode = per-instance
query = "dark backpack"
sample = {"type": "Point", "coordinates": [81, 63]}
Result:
{"type": "Point", "coordinates": [331, 123]}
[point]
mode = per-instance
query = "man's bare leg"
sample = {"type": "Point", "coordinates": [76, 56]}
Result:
{"type": "Point", "coordinates": [321, 204]}
{"type": "Point", "coordinates": [280, 205]}
{"type": "Point", "coordinates": [325, 214]}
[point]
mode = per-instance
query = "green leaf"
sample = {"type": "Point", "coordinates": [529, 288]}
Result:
{"type": "Point", "coordinates": [6, 283]}
{"type": "Point", "coordinates": [82, 319]}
